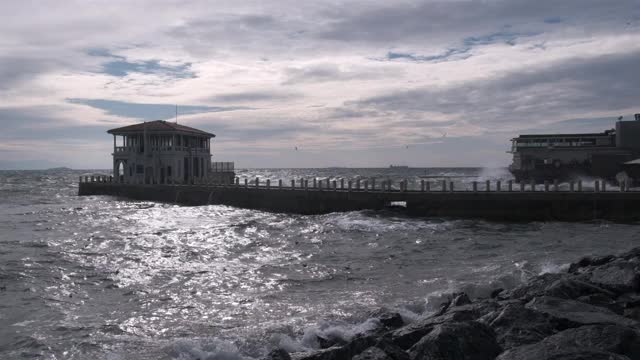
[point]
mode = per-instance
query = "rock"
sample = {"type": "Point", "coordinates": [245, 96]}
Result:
{"type": "Point", "coordinates": [460, 299]}
{"type": "Point", "coordinates": [535, 287]}
{"type": "Point", "coordinates": [569, 288]}
{"type": "Point", "coordinates": [347, 351]}
{"type": "Point", "coordinates": [394, 352]}
{"type": "Point", "coordinates": [515, 325]}
{"type": "Point", "coordinates": [631, 254]}
{"type": "Point", "coordinates": [495, 293]}
{"type": "Point", "coordinates": [390, 319]}
{"type": "Point", "coordinates": [604, 301]}
{"type": "Point", "coordinates": [278, 354]}
{"type": "Point", "coordinates": [619, 276]}
{"type": "Point", "coordinates": [406, 336]}
{"type": "Point", "coordinates": [560, 354]}
{"type": "Point", "coordinates": [590, 261]}
{"type": "Point", "coordinates": [457, 341]}
{"type": "Point", "coordinates": [577, 313]}
{"type": "Point", "coordinates": [612, 339]}
{"type": "Point", "coordinates": [372, 353]}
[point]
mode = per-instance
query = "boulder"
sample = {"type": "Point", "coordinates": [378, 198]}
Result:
{"type": "Point", "coordinates": [570, 288]}
{"type": "Point", "coordinates": [631, 254]}
{"type": "Point", "coordinates": [372, 353]}
{"type": "Point", "coordinates": [576, 313]}
{"type": "Point", "coordinates": [515, 325]}
{"type": "Point", "coordinates": [390, 319]}
{"type": "Point", "coordinates": [535, 287]}
{"type": "Point", "coordinates": [590, 261]}
{"type": "Point", "coordinates": [611, 339]}
{"type": "Point", "coordinates": [406, 336]}
{"type": "Point", "coordinates": [619, 276]}
{"type": "Point", "coordinates": [563, 354]}
{"type": "Point", "coordinates": [278, 354]}
{"type": "Point", "coordinates": [394, 352]}
{"type": "Point", "coordinates": [347, 351]}
{"type": "Point", "coordinates": [604, 301]}
{"type": "Point", "coordinates": [470, 340]}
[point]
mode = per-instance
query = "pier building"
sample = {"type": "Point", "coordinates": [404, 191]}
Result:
{"type": "Point", "coordinates": [542, 157]}
{"type": "Point", "coordinates": [162, 152]}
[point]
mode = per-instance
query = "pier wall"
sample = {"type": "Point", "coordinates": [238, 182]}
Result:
{"type": "Point", "coordinates": [494, 205]}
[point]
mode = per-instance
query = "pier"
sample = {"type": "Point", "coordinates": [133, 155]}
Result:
{"type": "Point", "coordinates": [489, 200]}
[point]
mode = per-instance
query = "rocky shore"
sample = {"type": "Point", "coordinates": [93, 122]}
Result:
{"type": "Point", "coordinates": [590, 312]}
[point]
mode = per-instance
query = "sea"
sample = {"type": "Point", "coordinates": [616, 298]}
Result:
{"type": "Point", "coordinates": [99, 277]}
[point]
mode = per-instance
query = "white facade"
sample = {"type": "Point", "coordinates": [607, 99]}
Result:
{"type": "Point", "coordinates": [160, 152]}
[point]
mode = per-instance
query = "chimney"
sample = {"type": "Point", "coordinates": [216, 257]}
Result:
{"type": "Point", "coordinates": [637, 117]}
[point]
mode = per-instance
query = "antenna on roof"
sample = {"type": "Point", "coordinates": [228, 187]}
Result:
{"type": "Point", "coordinates": [176, 113]}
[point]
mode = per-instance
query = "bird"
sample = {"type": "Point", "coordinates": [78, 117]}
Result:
{"type": "Point", "coordinates": [296, 148]}
{"type": "Point", "coordinates": [619, 118]}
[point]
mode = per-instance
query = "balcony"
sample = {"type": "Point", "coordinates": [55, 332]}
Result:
{"type": "Point", "coordinates": [130, 149]}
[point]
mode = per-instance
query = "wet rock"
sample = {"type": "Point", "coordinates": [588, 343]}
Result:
{"type": "Point", "coordinates": [515, 325]}
{"type": "Point", "coordinates": [631, 254]}
{"type": "Point", "coordinates": [590, 261]}
{"type": "Point", "coordinates": [457, 341]}
{"type": "Point", "coordinates": [372, 353]}
{"type": "Point", "coordinates": [408, 335]}
{"type": "Point", "coordinates": [460, 299]}
{"type": "Point", "coordinates": [347, 351]}
{"type": "Point", "coordinates": [569, 288]}
{"type": "Point", "coordinates": [577, 313]}
{"type": "Point", "coordinates": [563, 354]}
{"type": "Point", "coordinates": [278, 354]}
{"type": "Point", "coordinates": [602, 301]}
{"type": "Point", "coordinates": [535, 287]}
{"type": "Point", "coordinates": [394, 352]}
{"type": "Point", "coordinates": [586, 340]}
{"type": "Point", "coordinates": [619, 276]}
{"type": "Point", "coordinates": [390, 319]}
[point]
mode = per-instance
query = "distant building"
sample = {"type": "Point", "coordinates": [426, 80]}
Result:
{"type": "Point", "coordinates": [161, 152]}
{"type": "Point", "coordinates": [561, 156]}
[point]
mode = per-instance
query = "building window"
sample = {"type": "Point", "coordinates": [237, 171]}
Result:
{"type": "Point", "coordinates": [169, 171]}
{"type": "Point", "coordinates": [139, 169]}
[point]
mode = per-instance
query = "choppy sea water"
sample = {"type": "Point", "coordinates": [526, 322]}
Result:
{"type": "Point", "coordinates": [105, 278]}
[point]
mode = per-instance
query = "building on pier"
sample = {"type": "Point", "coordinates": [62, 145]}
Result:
{"type": "Point", "coordinates": [564, 156]}
{"type": "Point", "coordinates": [161, 152]}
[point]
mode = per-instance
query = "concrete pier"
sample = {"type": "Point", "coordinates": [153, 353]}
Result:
{"type": "Point", "coordinates": [522, 205]}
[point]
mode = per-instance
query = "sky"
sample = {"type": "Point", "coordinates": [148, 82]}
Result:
{"type": "Point", "coordinates": [349, 83]}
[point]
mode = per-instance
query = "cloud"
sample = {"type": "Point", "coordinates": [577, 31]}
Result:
{"type": "Point", "coordinates": [149, 111]}
{"type": "Point", "coordinates": [563, 89]}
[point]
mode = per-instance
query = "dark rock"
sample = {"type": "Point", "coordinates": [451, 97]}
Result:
{"type": "Point", "coordinates": [568, 288]}
{"type": "Point", "coordinates": [495, 293]}
{"type": "Point", "coordinates": [327, 342]}
{"type": "Point", "coordinates": [394, 352]}
{"type": "Point", "coordinates": [347, 351]}
{"type": "Point", "coordinates": [592, 338]}
{"type": "Point", "coordinates": [619, 276]}
{"type": "Point", "coordinates": [633, 314]}
{"type": "Point", "coordinates": [590, 261]}
{"type": "Point", "coordinates": [562, 354]}
{"type": "Point", "coordinates": [278, 354]}
{"type": "Point", "coordinates": [631, 254]}
{"type": "Point", "coordinates": [390, 319]}
{"type": "Point", "coordinates": [460, 299]}
{"type": "Point", "coordinates": [602, 301]}
{"type": "Point", "coordinates": [372, 353]}
{"type": "Point", "coordinates": [535, 287]}
{"type": "Point", "coordinates": [457, 341]}
{"type": "Point", "coordinates": [408, 335]}
{"type": "Point", "coordinates": [516, 325]}
{"type": "Point", "coordinates": [577, 313]}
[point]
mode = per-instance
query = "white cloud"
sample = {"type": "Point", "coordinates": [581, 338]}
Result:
{"type": "Point", "coordinates": [319, 74]}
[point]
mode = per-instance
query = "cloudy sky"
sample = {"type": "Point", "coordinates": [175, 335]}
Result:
{"type": "Point", "coordinates": [350, 83]}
